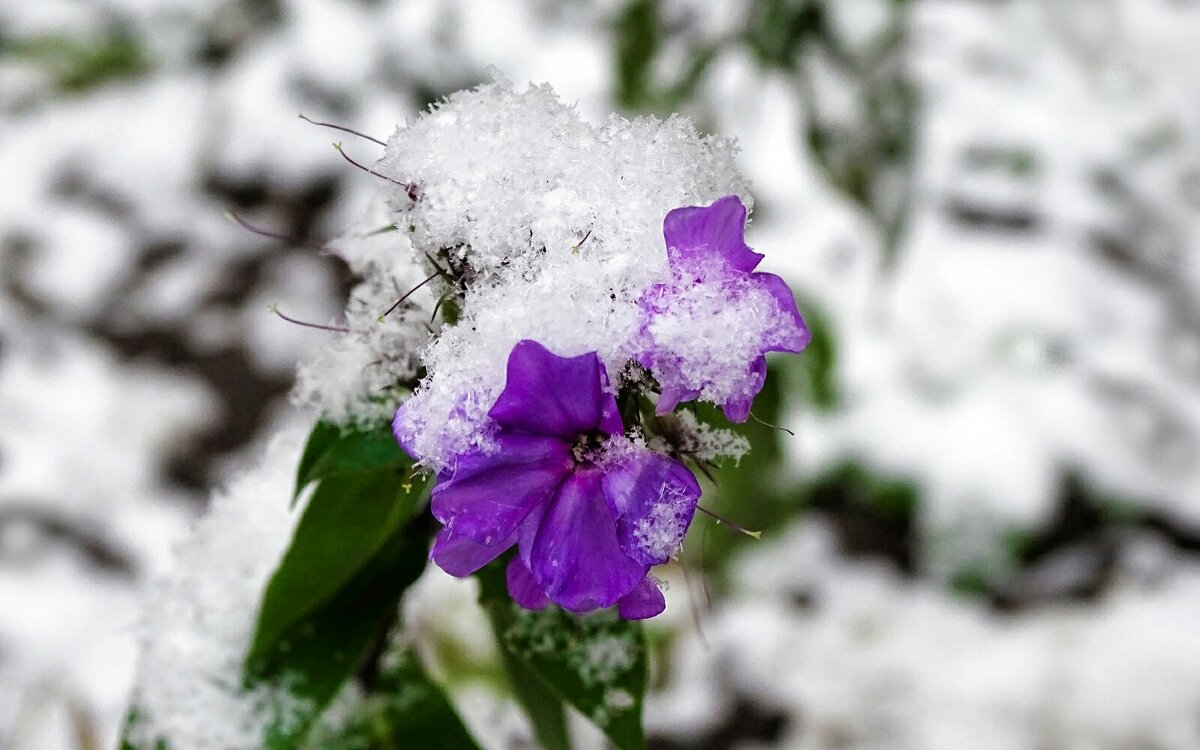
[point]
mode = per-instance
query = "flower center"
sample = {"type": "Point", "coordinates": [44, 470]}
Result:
{"type": "Point", "coordinates": [588, 446]}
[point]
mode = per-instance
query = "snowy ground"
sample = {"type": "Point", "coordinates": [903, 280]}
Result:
{"type": "Point", "coordinates": [1012, 291]}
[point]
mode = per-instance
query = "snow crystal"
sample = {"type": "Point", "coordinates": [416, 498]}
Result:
{"type": "Point", "coordinates": [363, 373]}
{"type": "Point", "coordinates": [704, 336]}
{"type": "Point", "coordinates": [606, 657]}
{"type": "Point", "coordinates": [201, 618]}
{"type": "Point", "coordinates": [551, 229]}
{"type": "Point", "coordinates": [589, 645]}
{"type": "Point", "coordinates": [660, 533]}
{"type": "Point", "coordinates": [700, 440]}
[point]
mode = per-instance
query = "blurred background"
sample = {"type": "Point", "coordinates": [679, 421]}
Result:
{"type": "Point", "coordinates": [985, 530]}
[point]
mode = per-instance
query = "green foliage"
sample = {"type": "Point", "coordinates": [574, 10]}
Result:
{"type": "Point", "coordinates": [864, 488]}
{"type": "Point", "coordinates": [638, 35]}
{"type": "Point", "coordinates": [635, 47]}
{"type": "Point", "coordinates": [863, 149]}
{"type": "Point", "coordinates": [544, 707]}
{"type": "Point", "coordinates": [354, 552]}
{"type": "Point", "coordinates": [404, 709]}
{"type": "Point", "coordinates": [751, 492]}
{"type": "Point", "coordinates": [595, 663]}
{"type": "Point", "coordinates": [336, 451]}
{"type": "Point", "coordinates": [350, 521]}
{"type": "Point", "coordinates": [777, 29]}
{"type": "Point", "coordinates": [79, 64]}
{"type": "Point", "coordinates": [816, 367]}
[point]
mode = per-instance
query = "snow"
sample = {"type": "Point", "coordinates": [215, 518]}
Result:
{"type": "Point", "coordinates": [981, 361]}
{"type": "Point", "coordinates": [538, 212]}
{"type": "Point", "coordinates": [200, 617]}
{"type": "Point", "coordinates": [882, 662]}
{"type": "Point", "coordinates": [701, 440]}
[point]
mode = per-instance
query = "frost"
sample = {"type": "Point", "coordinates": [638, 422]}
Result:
{"type": "Point", "coordinates": [362, 374]}
{"type": "Point", "coordinates": [605, 658]}
{"type": "Point", "coordinates": [660, 533]}
{"type": "Point", "coordinates": [588, 645]}
{"type": "Point", "coordinates": [201, 618]}
{"type": "Point", "coordinates": [705, 335]}
{"type": "Point", "coordinates": [618, 699]}
{"type": "Point", "coordinates": [700, 440]}
{"type": "Point", "coordinates": [615, 700]}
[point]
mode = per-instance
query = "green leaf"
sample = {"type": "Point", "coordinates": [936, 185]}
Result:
{"type": "Point", "coordinates": [545, 708]}
{"type": "Point", "coordinates": [405, 709]}
{"type": "Point", "coordinates": [333, 450]}
{"type": "Point", "coordinates": [595, 662]}
{"type": "Point", "coordinates": [347, 524]}
{"type": "Point", "coordinates": [750, 492]}
{"type": "Point", "coordinates": [355, 550]}
{"type": "Point", "coordinates": [315, 655]}
{"type": "Point", "coordinates": [777, 30]}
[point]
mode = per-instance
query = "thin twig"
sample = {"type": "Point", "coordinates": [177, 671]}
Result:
{"type": "Point", "coordinates": [704, 470]}
{"type": "Point", "coordinates": [445, 274]}
{"type": "Point", "coordinates": [438, 306]}
{"type": "Point", "coordinates": [407, 294]}
{"type": "Point", "coordinates": [580, 243]}
{"type": "Point", "coordinates": [306, 324]}
{"type": "Point", "coordinates": [274, 235]}
{"type": "Point", "coordinates": [342, 128]}
{"type": "Point", "coordinates": [722, 520]}
{"type": "Point", "coordinates": [407, 186]}
{"type": "Point", "coordinates": [773, 426]}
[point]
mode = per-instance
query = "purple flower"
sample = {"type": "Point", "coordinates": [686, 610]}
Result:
{"type": "Point", "coordinates": [589, 511]}
{"type": "Point", "coordinates": [708, 330]}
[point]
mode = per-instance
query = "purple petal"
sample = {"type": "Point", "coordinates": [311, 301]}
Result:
{"type": "Point", "coordinates": [489, 494]}
{"type": "Point", "coordinates": [610, 414]}
{"type": "Point", "coordinates": [522, 587]}
{"type": "Point", "coordinates": [737, 408]}
{"type": "Point", "coordinates": [654, 497]}
{"type": "Point", "coordinates": [403, 430]}
{"type": "Point", "coordinates": [546, 394]}
{"type": "Point", "coordinates": [461, 556]}
{"type": "Point", "coordinates": [671, 397]}
{"type": "Point", "coordinates": [795, 339]}
{"type": "Point", "coordinates": [697, 234]}
{"type": "Point", "coordinates": [576, 558]}
{"type": "Point", "coordinates": [527, 532]}
{"type": "Point", "coordinates": [643, 602]}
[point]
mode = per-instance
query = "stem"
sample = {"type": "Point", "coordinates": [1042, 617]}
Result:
{"type": "Point", "coordinates": [406, 185]}
{"type": "Point", "coordinates": [407, 294]}
{"type": "Point", "coordinates": [722, 520]}
{"type": "Point", "coordinates": [343, 129]}
{"type": "Point", "coordinates": [306, 324]}
{"type": "Point", "coordinates": [773, 426]}
{"type": "Point", "coordinates": [273, 235]}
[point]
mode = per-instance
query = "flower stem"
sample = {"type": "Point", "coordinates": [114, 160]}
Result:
{"type": "Point", "coordinates": [722, 520]}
